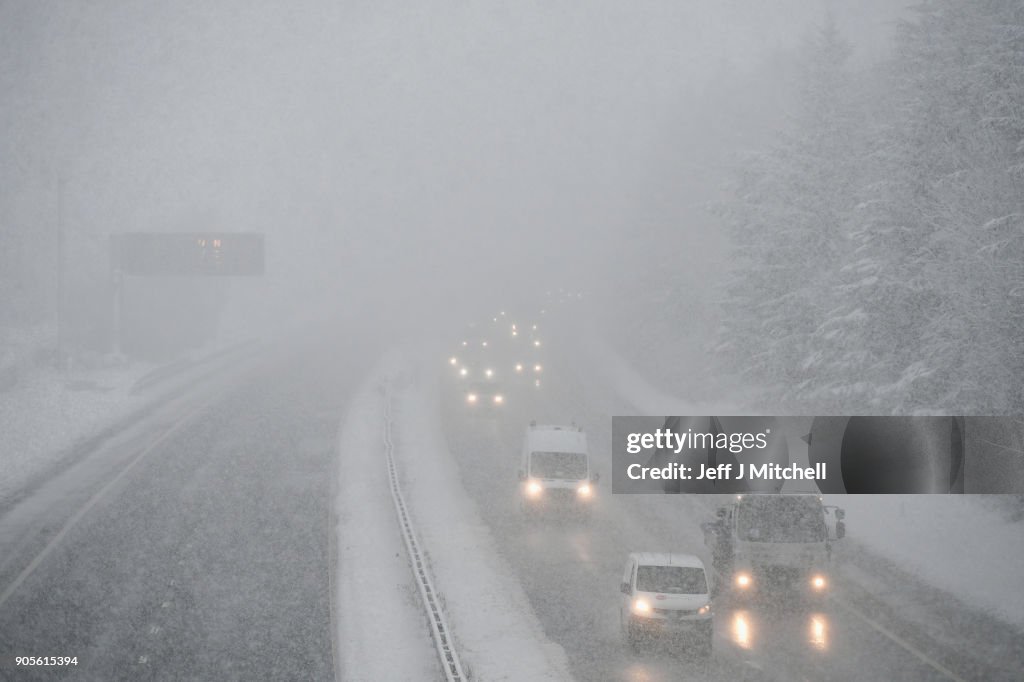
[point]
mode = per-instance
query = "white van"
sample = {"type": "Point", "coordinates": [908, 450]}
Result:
{"type": "Point", "coordinates": [555, 472]}
{"type": "Point", "coordinates": [666, 593]}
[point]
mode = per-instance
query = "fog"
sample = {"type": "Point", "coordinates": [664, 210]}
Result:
{"type": "Point", "coordinates": [455, 151]}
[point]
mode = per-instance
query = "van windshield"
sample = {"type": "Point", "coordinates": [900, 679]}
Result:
{"type": "Point", "coordinates": [671, 579]}
{"type": "Point", "coordinates": [568, 465]}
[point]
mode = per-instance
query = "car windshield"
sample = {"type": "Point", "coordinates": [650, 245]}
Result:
{"type": "Point", "coordinates": [781, 519]}
{"type": "Point", "coordinates": [671, 579]}
{"type": "Point", "coordinates": [569, 465]}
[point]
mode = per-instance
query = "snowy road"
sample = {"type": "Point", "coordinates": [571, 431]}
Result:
{"type": "Point", "coordinates": [210, 557]}
{"type": "Point", "coordinates": [570, 571]}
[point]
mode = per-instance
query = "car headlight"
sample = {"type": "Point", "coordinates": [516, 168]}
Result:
{"type": "Point", "coordinates": [498, 400]}
{"type": "Point", "coordinates": [818, 582]}
{"type": "Point", "coordinates": [641, 606]}
{"type": "Point", "coordinates": [537, 369]}
{"type": "Point", "coordinates": [584, 490]}
{"type": "Point", "coordinates": [453, 361]}
{"type": "Point", "coordinates": [471, 398]}
{"type": "Point", "coordinates": [463, 372]}
{"type": "Point", "coordinates": [744, 580]}
{"type": "Point", "coordinates": [519, 368]}
{"type": "Point", "coordinates": [704, 610]}
{"type": "Point", "coordinates": [533, 488]}
{"type": "Point", "coordinates": [489, 373]}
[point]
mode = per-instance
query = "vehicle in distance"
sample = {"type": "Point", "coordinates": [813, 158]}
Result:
{"type": "Point", "coordinates": [484, 395]}
{"type": "Point", "coordinates": [666, 595]}
{"type": "Point", "coordinates": [556, 473]}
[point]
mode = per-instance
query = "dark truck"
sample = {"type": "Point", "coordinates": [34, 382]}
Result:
{"type": "Point", "coordinates": [774, 543]}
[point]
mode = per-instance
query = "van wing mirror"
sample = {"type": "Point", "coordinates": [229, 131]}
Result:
{"type": "Point", "coordinates": [522, 475]}
{"type": "Point", "coordinates": [840, 530]}
{"type": "Point", "coordinates": [625, 589]}
{"type": "Point", "coordinates": [721, 513]}
{"type": "Point", "coordinates": [595, 477]}
{"type": "Point", "coordinates": [840, 514]}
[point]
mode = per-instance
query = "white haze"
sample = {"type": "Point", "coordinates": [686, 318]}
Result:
{"type": "Point", "coordinates": [457, 151]}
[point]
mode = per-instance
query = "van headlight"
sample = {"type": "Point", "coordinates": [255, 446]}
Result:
{"type": "Point", "coordinates": [585, 490]}
{"type": "Point", "coordinates": [641, 606]}
{"type": "Point", "coordinates": [498, 399]}
{"type": "Point", "coordinates": [819, 583]}
{"type": "Point", "coordinates": [534, 489]}
{"type": "Point", "coordinates": [471, 398]}
{"type": "Point", "coordinates": [743, 580]}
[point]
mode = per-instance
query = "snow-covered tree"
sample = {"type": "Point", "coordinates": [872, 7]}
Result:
{"type": "Point", "coordinates": [786, 221]}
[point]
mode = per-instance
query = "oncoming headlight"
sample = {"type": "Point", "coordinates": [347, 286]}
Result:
{"type": "Point", "coordinates": [585, 490]}
{"type": "Point", "coordinates": [743, 580]}
{"type": "Point", "coordinates": [471, 398]}
{"type": "Point", "coordinates": [498, 399]}
{"type": "Point", "coordinates": [704, 610]}
{"type": "Point", "coordinates": [641, 606]}
{"type": "Point", "coordinates": [533, 488]}
{"type": "Point", "coordinates": [818, 582]}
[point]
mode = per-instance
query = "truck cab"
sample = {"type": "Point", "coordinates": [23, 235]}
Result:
{"type": "Point", "coordinates": [772, 543]}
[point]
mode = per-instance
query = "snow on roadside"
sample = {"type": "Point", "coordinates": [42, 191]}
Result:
{"type": "Point", "coordinates": [636, 390]}
{"type": "Point", "coordinates": [48, 412]}
{"type": "Point", "coordinates": [499, 636]}
{"type": "Point", "coordinates": [40, 417]}
{"type": "Point", "coordinates": [950, 541]}
{"type": "Point", "coordinates": [382, 632]}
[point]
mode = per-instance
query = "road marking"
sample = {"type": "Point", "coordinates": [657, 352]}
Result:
{"type": "Point", "coordinates": [34, 564]}
{"type": "Point", "coordinates": [899, 640]}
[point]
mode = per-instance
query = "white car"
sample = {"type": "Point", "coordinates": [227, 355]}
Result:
{"type": "Point", "coordinates": [666, 594]}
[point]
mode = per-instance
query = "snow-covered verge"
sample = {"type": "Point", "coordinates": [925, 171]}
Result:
{"type": "Point", "coordinates": [500, 637]}
{"type": "Point", "coordinates": [48, 412]}
{"type": "Point", "coordinates": [382, 630]}
{"type": "Point", "coordinates": [636, 390]}
{"type": "Point", "coordinates": [955, 543]}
